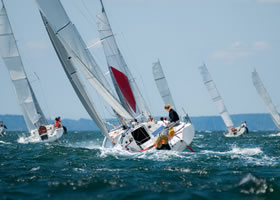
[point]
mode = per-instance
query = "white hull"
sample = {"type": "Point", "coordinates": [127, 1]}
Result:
{"type": "Point", "coordinates": [2, 131]}
{"type": "Point", "coordinates": [143, 137]}
{"type": "Point", "coordinates": [238, 133]}
{"type": "Point", "coordinates": [51, 135]}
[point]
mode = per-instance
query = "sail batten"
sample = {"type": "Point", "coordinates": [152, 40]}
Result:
{"type": "Point", "coordinates": [215, 95]}
{"type": "Point", "coordinates": [9, 52]}
{"type": "Point", "coordinates": [162, 84]}
{"type": "Point", "coordinates": [266, 98]}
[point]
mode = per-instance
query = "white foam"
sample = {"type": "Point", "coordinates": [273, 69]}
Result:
{"type": "Point", "coordinates": [3, 142]}
{"type": "Point", "coordinates": [246, 151]}
{"type": "Point", "coordinates": [236, 150]}
{"type": "Point", "coordinates": [153, 154]}
{"type": "Point", "coordinates": [35, 168]}
{"type": "Point", "coordinates": [257, 186]}
{"type": "Point", "coordinates": [274, 135]}
{"type": "Point", "coordinates": [22, 140]}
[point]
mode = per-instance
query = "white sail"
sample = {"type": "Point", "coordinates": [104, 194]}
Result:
{"type": "Point", "coordinates": [266, 98]}
{"type": "Point", "coordinates": [32, 112]}
{"type": "Point", "coordinates": [217, 99]}
{"type": "Point", "coordinates": [74, 78]}
{"type": "Point", "coordinates": [162, 85]}
{"type": "Point", "coordinates": [123, 80]}
{"type": "Point", "coordinates": [72, 42]}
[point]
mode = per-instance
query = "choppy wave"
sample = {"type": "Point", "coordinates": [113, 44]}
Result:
{"type": "Point", "coordinates": [252, 185]}
{"type": "Point", "coordinates": [3, 142]}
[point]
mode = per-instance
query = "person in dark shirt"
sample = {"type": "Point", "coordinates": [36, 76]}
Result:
{"type": "Point", "coordinates": [173, 116]}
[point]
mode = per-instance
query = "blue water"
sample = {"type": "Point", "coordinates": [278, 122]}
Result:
{"type": "Point", "coordinates": [77, 167]}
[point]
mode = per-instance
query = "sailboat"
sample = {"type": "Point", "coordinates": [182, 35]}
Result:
{"type": "Point", "coordinates": [266, 98]}
{"type": "Point", "coordinates": [217, 99]}
{"type": "Point", "coordinates": [40, 130]}
{"type": "Point", "coordinates": [2, 129]}
{"type": "Point", "coordinates": [133, 134]}
{"type": "Point", "coordinates": [127, 89]}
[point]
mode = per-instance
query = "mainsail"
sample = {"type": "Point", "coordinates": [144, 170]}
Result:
{"type": "Point", "coordinates": [32, 112]}
{"type": "Point", "coordinates": [266, 98]}
{"type": "Point", "coordinates": [125, 85]}
{"type": "Point", "coordinates": [66, 38]}
{"type": "Point", "coordinates": [162, 85]}
{"type": "Point", "coordinates": [217, 99]}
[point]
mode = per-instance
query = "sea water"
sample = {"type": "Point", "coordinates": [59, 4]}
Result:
{"type": "Point", "coordinates": [76, 167]}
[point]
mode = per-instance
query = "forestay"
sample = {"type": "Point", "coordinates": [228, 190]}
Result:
{"type": "Point", "coordinates": [32, 112]}
{"type": "Point", "coordinates": [72, 42]}
{"type": "Point", "coordinates": [217, 99]}
{"type": "Point", "coordinates": [266, 98]}
{"type": "Point", "coordinates": [123, 80]}
{"type": "Point", "coordinates": [162, 85]}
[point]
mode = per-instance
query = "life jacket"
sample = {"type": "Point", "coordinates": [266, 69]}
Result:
{"type": "Point", "coordinates": [57, 124]}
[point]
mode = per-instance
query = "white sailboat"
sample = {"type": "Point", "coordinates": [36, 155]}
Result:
{"type": "Point", "coordinates": [266, 98]}
{"type": "Point", "coordinates": [128, 90]}
{"type": "Point", "coordinates": [40, 130]}
{"type": "Point", "coordinates": [2, 129]}
{"type": "Point", "coordinates": [72, 52]}
{"type": "Point", "coordinates": [217, 99]}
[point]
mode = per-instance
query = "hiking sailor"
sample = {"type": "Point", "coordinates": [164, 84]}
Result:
{"type": "Point", "coordinates": [57, 123]}
{"type": "Point", "coordinates": [173, 116]}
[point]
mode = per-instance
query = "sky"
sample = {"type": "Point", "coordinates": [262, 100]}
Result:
{"type": "Point", "coordinates": [231, 37]}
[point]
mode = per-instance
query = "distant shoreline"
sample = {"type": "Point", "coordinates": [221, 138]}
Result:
{"type": "Point", "coordinates": [255, 121]}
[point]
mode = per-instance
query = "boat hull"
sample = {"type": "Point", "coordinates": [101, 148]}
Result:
{"type": "Point", "coordinates": [241, 131]}
{"type": "Point", "coordinates": [144, 136]}
{"type": "Point", "coordinates": [51, 135]}
{"type": "Point", "coordinates": [2, 131]}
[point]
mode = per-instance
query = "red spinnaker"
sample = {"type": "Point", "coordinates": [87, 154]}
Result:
{"type": "Point", "coordinates": [124, 86]}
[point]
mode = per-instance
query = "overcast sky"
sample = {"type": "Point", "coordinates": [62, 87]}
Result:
{"type": "Point", "coordinates": [231, 37]}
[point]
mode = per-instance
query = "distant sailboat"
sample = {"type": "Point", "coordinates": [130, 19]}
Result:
{"type": "Point", "coordinates": [217, 99]}
{"type": "Point", "coordinates": [72, 52]}
{"type": "Point", "coordinates": [266, 98]}
{"type": "Point", "coordinates": [35, 120]}
{"type": "Point", "coordinates": [162, 85]}
{"type": "Point", "coordinates": [2, 129]}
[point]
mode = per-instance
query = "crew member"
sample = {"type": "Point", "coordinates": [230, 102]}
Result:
{"type": "Point", "coordinates": [57, 123]}
{"type": "Point", "coordinates": [173, 116]}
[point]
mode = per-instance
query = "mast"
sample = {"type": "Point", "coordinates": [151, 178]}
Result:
{"type": "Point", "coordinates": [266, 98]}
{"type": "Point", "coordinates": [33, 115]}
{"type": "Point", "coordinates": [162, 84]}
{"type": "Point", "coordinates": [124, 83]}
{"type": "Point", "coordinates": [214, 93]}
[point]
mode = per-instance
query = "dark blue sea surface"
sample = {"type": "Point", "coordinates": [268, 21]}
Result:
{"type": "Point", "coordinates": [76, 167]}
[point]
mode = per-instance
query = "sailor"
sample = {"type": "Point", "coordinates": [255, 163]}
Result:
{"type": "Point", "coordinates": [173, 116]}
{"type": "Point", "coordinates": [163, 121]}
{"type": "Point", "coordinates": [57, 123]}
{"type": "Point", "coordinates": [233, 130]}
{"type": "Point", "coordinates": [150, 119]}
